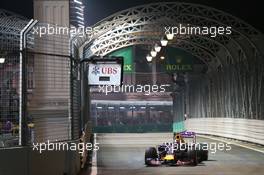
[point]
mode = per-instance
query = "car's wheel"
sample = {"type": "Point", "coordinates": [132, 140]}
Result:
{"type": "Point", "coordinates": [199, 156]}
{"type": "Point", "coordinates": [150, 154]}
{"type": "Point", "coordinates": [204, 155]}
{"type": "Point", "coordinates": [203, 151]}
{"type": "Point", "coordinates": [192, 155]}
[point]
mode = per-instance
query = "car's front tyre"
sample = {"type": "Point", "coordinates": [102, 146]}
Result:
{"type": "Point", "coordinates": [150, 155]}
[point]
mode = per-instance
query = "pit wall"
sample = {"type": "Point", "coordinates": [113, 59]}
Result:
{"type": "Point", "coordinates": [241, 129]}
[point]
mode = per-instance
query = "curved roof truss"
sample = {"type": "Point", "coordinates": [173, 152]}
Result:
{"type": "Point", "coordinates": [145, 25]}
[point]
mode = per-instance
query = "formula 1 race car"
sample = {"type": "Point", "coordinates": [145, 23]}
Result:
{"type": "Point", "coordinates": [179, 152]}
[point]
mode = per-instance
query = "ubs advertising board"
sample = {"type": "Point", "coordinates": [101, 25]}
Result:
{"type": "Point", "coordinates": [105, 73]}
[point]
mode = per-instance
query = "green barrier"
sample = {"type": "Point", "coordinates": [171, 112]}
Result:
{"type": "Point", "coordinates": [178, 60]}
{"type": "Point", "coordinates": [127, 54]}
{"type": "Point", "coordinates": [133, 128]}
{"type": "Point", "coordinates": [178, 127]}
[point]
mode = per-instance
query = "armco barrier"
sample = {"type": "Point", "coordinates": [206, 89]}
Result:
{"type": "Point", "coordinates": [240, 129]}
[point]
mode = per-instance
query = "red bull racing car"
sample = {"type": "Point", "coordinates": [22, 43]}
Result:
{"type": "Point", "coordinates": [182, 151]}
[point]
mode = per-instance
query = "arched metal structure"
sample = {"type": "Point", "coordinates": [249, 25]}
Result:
{"type": "Point", "coordinates": [234, 85]}
{"type": "Point", "coordinates": [145, 25]}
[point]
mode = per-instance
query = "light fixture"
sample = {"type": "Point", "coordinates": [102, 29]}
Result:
{"type": "Point", "coordinates": [170, 36]}
{"type": "Point", "coordinates": [78, 2]}
{"type": "Point", "coordinates": [162, 57]}
{"type": "Point", "coordinates": [164, 42]}
{"type": "Point", "coordinates": [174, 77]}
{"type": "Point", "coordinates": [81, 14]}
{"type": "Point", "coordinates": [157, 48]}
{"type": "Point", "coordinates": [93, 49]}
{"type": "Point", "coordinates": [153, 53]}
{"type": "Point", "coordinates": [149, 58]}
{"type": "Point", "coordinates": [2, 60]}
{"type": "Point", "coordinates": [79, 17]}
{"type": "Point", "coordinates": [78, 8]}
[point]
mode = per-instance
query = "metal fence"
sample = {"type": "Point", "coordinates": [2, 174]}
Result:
{"type": "Point", "coordinates": [39, 85]}
{"type": "Point", "coordinates": [10, 27]}
{"type": "Point", "coordinates": [9, 99]}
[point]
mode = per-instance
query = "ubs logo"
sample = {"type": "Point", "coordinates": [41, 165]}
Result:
{"type": "Point", "coordinates": [96, 70]}
{"type": "Point", "coordinates": [104, 70]}
{"type": "Point", "coordinates": [109, 70]}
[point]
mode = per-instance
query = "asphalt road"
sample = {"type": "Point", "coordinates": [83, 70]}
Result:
{"type": "Point", "coordinates": [123, 154]}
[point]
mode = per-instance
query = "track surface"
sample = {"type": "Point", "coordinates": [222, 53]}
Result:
{"type": "Point", "coordinates": [123, 154]}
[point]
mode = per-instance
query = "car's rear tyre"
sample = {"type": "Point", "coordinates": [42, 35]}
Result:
{"type": "Point", "coordinates": [192, 155]}
{"type": "Point", "coordinates": [204, 155]}
{"type": "Point", "coordinates": [203, 151]}
{"type": "Point", "coordinates": [150, 154]}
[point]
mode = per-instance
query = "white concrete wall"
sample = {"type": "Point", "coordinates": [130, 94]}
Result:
{"type": "Point", "coordinates": [241, 129]}
{"type": "Point", "coordinates": [49, 102]}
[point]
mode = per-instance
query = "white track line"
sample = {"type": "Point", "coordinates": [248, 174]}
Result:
{"type": "Point", "coordinates": [94, 160]}
{"type": "Point", "coordinates": [232, 143]}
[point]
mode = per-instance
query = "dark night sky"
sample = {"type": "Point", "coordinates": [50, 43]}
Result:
{"type": "Point", "coordinates": [250, 11]}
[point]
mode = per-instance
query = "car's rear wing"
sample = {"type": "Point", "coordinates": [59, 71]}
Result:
{"type": "Point", "coordinates": [188, 134]}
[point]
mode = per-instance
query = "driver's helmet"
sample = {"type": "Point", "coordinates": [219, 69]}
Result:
{"type": "Point", "coordinates": [178, 138]}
